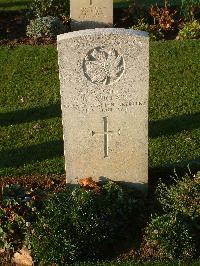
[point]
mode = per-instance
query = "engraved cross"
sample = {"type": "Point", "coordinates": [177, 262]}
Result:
{"type": "Point", "coordinates": [106, 135]}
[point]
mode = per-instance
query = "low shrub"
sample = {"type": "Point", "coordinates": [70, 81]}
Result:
{"type": "Point", "coordinates": [165, 22]}
{"type": "Point", "coordinates": [164, 17]}
{"type": "Point", "coordinates": [154, 32]}
{"type": "Point", "coordinates": [169, 237]}
{"type": "Point", "coordinates": [141, 25]}
{"type": "Point", "coordinates": [81, 224]}
{"type": "Point", "coordinates": [182, 197]}
{"type": "Point", "coordinates": [16, 211]}
{"type": "Point", "coordinates": [191, 30]}
{"type": "Point", "coordinates": [55, 8]}
{"type": "Point", "coordinates": [20, 200]}
{"type": "Point", "coordinates": [190, 9]}
{"type": "Point", "coordinates": [45, 27]}
{"type": "Point", "coordinates": [175, 234]}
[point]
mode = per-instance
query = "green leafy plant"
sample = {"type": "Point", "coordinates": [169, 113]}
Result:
{"type": "Point", "coordinates": [55, 8]}
{"type": "Point", "coordinates": [163, 21]}
{"type": "Point", "coordinates": [175, 233]}
{"type": "Point", "coordinates": [141, 25]}
{"type": "Point", "coordinates": [190, 9]}
{"type": "Point", "coordinates": [17, 210]}
{"type": "Point", "coordinates": [182, 197]}
{"type": "Point", "coordinates": [154, 32]}
{"type": "Point", "coordinates": [20, 200]}
{"type": "Point", "coordinates": [191, 30]}
{"type": "Point", "coordinates": [45, 27]}
{"type": "Point", "coordinates": [83, 224]}
{"type": "Point", "coordinates": [169, 237]}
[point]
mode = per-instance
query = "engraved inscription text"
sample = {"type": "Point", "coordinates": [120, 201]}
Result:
{"type": "Point", "coordinates": [91, 12]}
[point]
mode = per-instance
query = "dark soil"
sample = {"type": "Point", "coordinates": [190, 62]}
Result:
{"type": "Point", "coordinates": [29, 41]}
{"type": "Point", "coordinates": [13, 30]}
{"type": "Point", "coordinates": [13, 27]}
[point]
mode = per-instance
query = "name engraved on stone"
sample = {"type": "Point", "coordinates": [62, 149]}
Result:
{"type": "Point", "coordinates": [103, 66]}
{"type": "Point", "coordinates": [105, 134]}
{"type": "Point", "coordinates": [91, 12]}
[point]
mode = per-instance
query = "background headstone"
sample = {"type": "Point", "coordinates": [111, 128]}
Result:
{"type": "Point", "coordinates": [90, 14]}
{"type": "Point", "coordinates": [104, 76]}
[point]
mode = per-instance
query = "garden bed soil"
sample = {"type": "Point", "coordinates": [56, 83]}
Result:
{"type": "Point", "coordinates": [28, 41]}
{"type": "Point", "coordinates": [13, 27]}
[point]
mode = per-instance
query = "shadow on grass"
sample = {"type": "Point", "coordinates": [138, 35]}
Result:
{"type": "Point", "coordinates": [167, 172]}
{"type": "Point", "coordinates": [174, 125]}
{"type": "Point", "coordinates": [29, 115]}
{"type": "Point", "coordinates": [40, 152]}
{"type": "Point", "coordinates": [8, 4]}
{"type": "Point", "coordinates": [34, 153]}
{"type": "Point", "coordinates": [157, 128]}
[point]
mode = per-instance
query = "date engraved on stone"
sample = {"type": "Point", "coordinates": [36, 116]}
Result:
{"type": "Point", "coordinates": [91, 12]}
{"type": "Point", "coordinates": [103, 66]}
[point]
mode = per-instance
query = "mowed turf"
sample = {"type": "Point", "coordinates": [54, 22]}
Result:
{"type": "Point", "coordinates": [24, 4]}
{"type": "Point", "coordinates": [159, 2]}
{"type": "Point", "coordinates": [13, 5]}
{"type": "Point", "coordinates": [119, 3]}
{"type": "Point", "coordinates": [144, 263]}
{"type": "Point", "coordinates": [30, 115]}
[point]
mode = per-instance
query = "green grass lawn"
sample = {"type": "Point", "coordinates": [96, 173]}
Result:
{"type": "Point", "coordinates": [23, 4]}
{"type": "Point", "coordinates": [30, 116]}
{"type": "Point", "coordinates": [159, 2]}
{"type": "Point", "coordinates": [14, 4]}
{"type": "Point", "coordinates": [145, 2]}
{"type": "Point", "coordinates": [147, 263]}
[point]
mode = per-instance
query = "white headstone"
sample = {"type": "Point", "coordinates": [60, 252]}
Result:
{"type": "Point", "coordinates": [90, 14]}
{"type": "Point", "coordinates": [104, 76]}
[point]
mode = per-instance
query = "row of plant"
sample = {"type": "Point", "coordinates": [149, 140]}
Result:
{"type": "Point", "coordinates": [169, 22]}
{"type": "Point", "coordinates": [51, 17]}
{"type": "Point", "coordinates": [62, 225]}
{"type": "Point", "coordinates": [47, 18]}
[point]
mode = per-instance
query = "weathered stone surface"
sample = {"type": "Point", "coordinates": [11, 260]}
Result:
{"type": "Point", "coordinates": [104, 76]}
{"type": "Point", "coordinates": [90, 14]}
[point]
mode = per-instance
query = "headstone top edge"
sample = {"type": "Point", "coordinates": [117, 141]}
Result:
{"type": "Point", "coordinates": [103, 31]}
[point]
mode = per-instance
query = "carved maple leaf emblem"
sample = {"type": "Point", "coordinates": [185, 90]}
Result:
{"type": "Point", "coordinates": [104, 67]}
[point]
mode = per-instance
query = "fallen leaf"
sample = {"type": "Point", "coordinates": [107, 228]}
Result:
{"type": "Point", "coordinates": [22, 258]}
{"type": "Point", "coordinates": [89, 183]}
